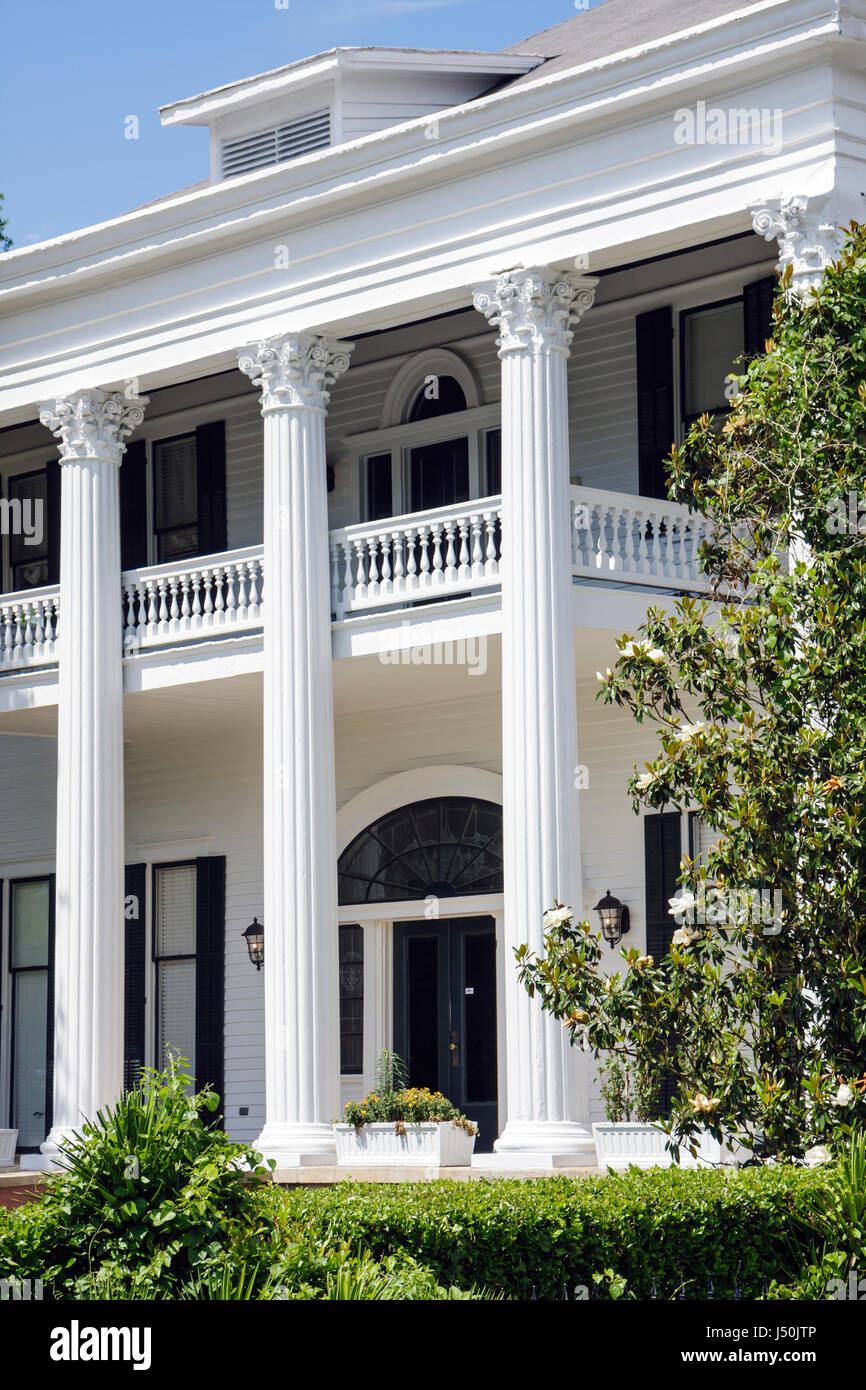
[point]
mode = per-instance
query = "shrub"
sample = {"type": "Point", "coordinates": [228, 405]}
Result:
{"type": "Point", "coordinates": [668, 1227]}
{"type": "Point", "coordinates": [152, 1196]}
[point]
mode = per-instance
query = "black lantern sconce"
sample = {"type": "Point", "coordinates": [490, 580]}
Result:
{"type": "Point", "coordinates": [254, 936]}
{"type": "Point", "coordinates": [614, 918]}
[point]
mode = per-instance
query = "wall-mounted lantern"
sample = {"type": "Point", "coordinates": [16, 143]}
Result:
{"type": "Point", "coordinates": [254, 936]}
{"type": "Point", "coordinates": [614, 918]}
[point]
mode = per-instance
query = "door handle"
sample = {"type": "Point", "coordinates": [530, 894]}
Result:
{"type": "Point", "coordinates": [454, 1048]}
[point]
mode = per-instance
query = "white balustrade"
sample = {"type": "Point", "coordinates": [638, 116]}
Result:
{"type": "Point", "coordinates": [28, 627]}
{"type": "Point", "coordinates": [636, 540]}
{"type": "Point", "coordinates": [400, 560]}
{"type": "Point", "coordinates": [407, 559]}
{"type": "Point", "coordinates": [187, 600]}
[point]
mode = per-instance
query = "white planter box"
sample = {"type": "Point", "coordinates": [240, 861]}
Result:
{"type": "Point", "coordinates": [624, 1144]}
{"type": "Point", "coordinates": [8, 1141]}
{"type": "Point", "coordinates": [431, 1145]}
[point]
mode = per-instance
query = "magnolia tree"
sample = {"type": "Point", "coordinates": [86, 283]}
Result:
{"type": "Point", "coordinates": [756, 1018]}
{"type": "Point", "coordinates": [5, 241]}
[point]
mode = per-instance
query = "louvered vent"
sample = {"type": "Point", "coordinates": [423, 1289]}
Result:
{"type": "Point", "coordinates": [289, 141]}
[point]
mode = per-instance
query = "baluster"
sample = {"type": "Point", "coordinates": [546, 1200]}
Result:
{"type": "Point", "coordinates": [385, 547]}
{"type": "Point", "coordinates": [463, 570]}
{"type": "Point", "coordinates": [219, 597]}
{"type": "Point", "coordinates": [424, 536]}
{"type": "Point", "coordinates": [184, 600]}
{"type": "Point", "coordinates": [654, 546]}
{"type": "Point", "coordinates": [163, 606]}
{"type": "Point", "coordinates": [243, 574]}
{"type": "Point", "coordinates": [411, 559]}
{"type": "Point", "coordinates": [436, 536]}
{"type": "Point", "coordinates": [27, 615]}
{"type": "Point", "coordinates": [19, 632]}
{"type": "Point", "coordinates": [360, 585]}
{"type": "Point", "coordinates": [255, 588]}
{"type": "Point", "coordinates": [206, 576]}
{"type": "Point", "coordinates": [477, 552]}
{"type": "Point", "coordinates": [196, 597]}
{"type": "Point", "coordinates": [399, 564]}
{"type": "Point", "coordinates": [491, 564]}
{"type": "Point", "coordinates": [51, 622]}
{"type": "Point", "coordinates": [174, 607]}
{"type": "Point", "coordinates": [450, 554]}
{"type": "Point", "coordinates": [632, 561]}
{"type": "Point", "coordinates": [39, 619]}
{"type": "Point", "coordinates": [348, 568]}
{"type": "Point", "coordinates": [7, 631]}
{"type": "Point", "coordinates": [231, 595]}
{"type": "Point", "coordinates": [335, 576]}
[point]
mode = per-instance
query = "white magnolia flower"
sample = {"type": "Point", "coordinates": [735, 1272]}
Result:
{"type": "Point", "coordinates": [843, 1096]}
{"type": "Point", "coordinates": [628, 649]}
{"type": "Point", "coordinates": [556, 916]}
{"type": "Point", "coordinates": [683, 937]}
{"type": "Point", "coordinates": [687, 732]}
{"type": "Point", "coordinates": [607, 675]}
{"type": "Point", "coordinates": [818, 1154]}
{"type": "Point", "coordinates": [656, 655]}
{"type": "Point", "coordinates": [645, 780]}
{"type": "Point", "coordinates": [683, 902]}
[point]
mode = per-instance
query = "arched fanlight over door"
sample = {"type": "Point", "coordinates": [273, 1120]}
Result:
{"type": "Point", "coordinates": [438, 395]}
{"type": "Point", "coordinates": [447, 846]}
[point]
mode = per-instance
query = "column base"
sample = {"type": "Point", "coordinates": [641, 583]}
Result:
{"type": "Point", "coordinates": [541, 1144]}
{"type": "Point", "coordinates": [298, 1146]}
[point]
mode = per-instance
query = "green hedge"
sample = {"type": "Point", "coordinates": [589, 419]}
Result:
{"type": "Point", "coordinates": [672, 1226]}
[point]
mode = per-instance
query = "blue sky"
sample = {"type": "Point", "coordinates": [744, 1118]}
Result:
{"type": "Point", "coordinates": [70, 73]}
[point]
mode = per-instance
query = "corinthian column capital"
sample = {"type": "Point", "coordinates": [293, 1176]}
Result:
{"type": "Point", "coordinates": [93, 424]}
{"type": "Point", "coordinates": [808, 238]}
{"type": "Point", "coordinates": [535, 307]}
{"type": "Point", "coordinates": [295, 370]}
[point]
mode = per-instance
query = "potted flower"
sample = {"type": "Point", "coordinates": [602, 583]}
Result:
{"type": "Point", "coordinates": [403, 1126]}
{"type": "Point", "coordinates": [630, 1137]}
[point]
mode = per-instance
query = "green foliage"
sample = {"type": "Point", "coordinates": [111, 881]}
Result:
{"type": "Point", "coordinates": [153, 1196]}
{"type": "Point", "coordinates": [393, 1101]}
{"type": "Point", "coordinates": [672, 1226]}
{"type": "Point", "coordinates": [758, 696]}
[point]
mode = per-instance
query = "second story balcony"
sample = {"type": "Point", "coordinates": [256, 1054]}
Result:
{"type": "Point", "coordinates": [400, 564]}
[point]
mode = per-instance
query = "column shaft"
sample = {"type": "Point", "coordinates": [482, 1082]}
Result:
{"type": "Point", "coordinates": [89, 941]}
{"type": "Point", "coordinates": [300, 845]}
{"type": "Point", "coordinates": [533, 309]}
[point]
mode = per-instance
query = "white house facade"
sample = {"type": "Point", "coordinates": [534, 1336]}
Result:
{"type": "Point", "coordinates": [328, 484]}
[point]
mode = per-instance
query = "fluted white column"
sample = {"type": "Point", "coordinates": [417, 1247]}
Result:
{"type": "Point", "coordinates": [92, 427]}
{"type": "Point", "coordinates": [534, 308]}
{"type": "Point", "coordinates": [300, 837]}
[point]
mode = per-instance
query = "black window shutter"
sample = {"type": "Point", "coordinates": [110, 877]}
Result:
{"type": "Point", "coordinates": [49, 1046]}
{"type": "Point", "coordinates": [210, 972]}
{"type": "Point", "coordinates": [758, 314]}
{"type": "Point", "coordinates": [133, 507]}
{"type": "Point", "coordinates": [134, 967]}
{"type": "Point", "coordinates": [210, 462]}
{"type": "Point", "coordinates": [52, 507]}
{"type": "Point", "coordinates": [654, 333]}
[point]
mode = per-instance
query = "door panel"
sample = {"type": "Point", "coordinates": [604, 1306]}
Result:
{"type": "Point", "coordinates": [439, 474]}
{"type": "Point", "coordinates": [445, 1014]}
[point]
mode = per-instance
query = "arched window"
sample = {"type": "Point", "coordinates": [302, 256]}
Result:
{"type": "Point", "coordinates": [437, 395]}
{"type": "Point", "coordinates": [447, 847]}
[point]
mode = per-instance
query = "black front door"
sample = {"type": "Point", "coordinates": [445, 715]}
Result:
{"type": "Point", "coordinates": [445, 1013]}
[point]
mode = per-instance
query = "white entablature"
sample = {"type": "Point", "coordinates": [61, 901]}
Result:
{"type": "Point", "coordinates": [371, 232]}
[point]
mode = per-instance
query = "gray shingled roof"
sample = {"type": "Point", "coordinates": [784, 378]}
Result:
{"type": "Point", "coordinates": [612, 26]}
